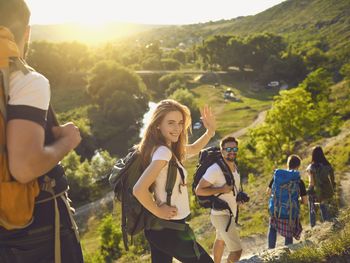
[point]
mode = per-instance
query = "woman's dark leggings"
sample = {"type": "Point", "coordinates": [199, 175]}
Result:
{"type": "Point", "coordinates": [167, 243]}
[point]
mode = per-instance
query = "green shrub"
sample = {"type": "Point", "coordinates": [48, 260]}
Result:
{"type": "Point", "coordinates": [170, 64]}
{"type": "Point", "coordinates": [110, 239]}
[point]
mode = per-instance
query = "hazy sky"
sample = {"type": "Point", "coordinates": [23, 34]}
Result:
{"type": "Point", "coordinates": [143, 11]}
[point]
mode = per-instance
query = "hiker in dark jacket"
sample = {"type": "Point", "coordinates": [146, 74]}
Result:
{"type": "Point", "coordinates": [165, 139]}
{"type": "Point", "coordinates": [284, 190]}
{"type": "Point", "coordinates": [321, 185]}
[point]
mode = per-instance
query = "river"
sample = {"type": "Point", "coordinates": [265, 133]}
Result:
{"type": "Point", "coordinates": [147, 117]}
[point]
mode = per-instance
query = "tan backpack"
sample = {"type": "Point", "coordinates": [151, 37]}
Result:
{"type": "Point", "coordinates": [16, 200]}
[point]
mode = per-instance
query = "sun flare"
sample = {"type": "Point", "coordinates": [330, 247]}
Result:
{"type": "Point", "coordinates": [139, 11]}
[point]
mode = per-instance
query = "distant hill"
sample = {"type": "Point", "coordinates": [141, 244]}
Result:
{"type": "Point", "coordinates": [300, 21]}
{"type": "Point", "coordinates": [327, 21]}
{"type": "Point", "coordinates": [88, 34]}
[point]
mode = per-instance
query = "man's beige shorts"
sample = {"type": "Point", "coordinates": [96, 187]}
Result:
{"type": "Point", "coordinates": [231, 237]}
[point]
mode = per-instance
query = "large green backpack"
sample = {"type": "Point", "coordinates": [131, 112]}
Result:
{"type": "Point", "coordinates": [135, 218]}
{"type": "Point", "coordinates": [324, 181]}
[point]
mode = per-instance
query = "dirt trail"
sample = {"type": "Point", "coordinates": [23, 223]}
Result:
{"type": "Point", "coordinates": [328, 142]}
{"type": "Point", "coordinates": [260, 119]}
{"type": "Point", "coordinates": [256, 244]}
{"type": "Point", "coordinates": [345, 190]}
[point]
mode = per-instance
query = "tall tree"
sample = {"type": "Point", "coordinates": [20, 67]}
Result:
{"type": "Point", "coordinates": [290, 118]}
{"type": "Point", "coordinates": [318, 83]}
{"type": "Point", "coordinates": [263, 46]}
{"type": "Point", "coordinates": [238, 52]}
{"type": "Point", "coordinates": [215, 49]}
{"type": "Point", "coordinates": [122, 98]}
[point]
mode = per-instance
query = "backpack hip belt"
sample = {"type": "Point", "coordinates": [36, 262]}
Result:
{"type": "Point", "coordinates": [48, 186]}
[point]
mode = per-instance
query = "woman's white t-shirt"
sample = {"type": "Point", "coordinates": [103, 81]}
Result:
{"type": "Point", "coordinates": [179, 197]}
{"type": "Point", "coordinates": [216, 177]}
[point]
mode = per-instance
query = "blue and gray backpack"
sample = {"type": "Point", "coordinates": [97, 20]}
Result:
{"type": "Point", "coordinates": [284, 203]}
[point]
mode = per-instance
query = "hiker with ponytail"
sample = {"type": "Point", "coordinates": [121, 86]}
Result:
{"type": "Point", "coordinates": [321, 186]}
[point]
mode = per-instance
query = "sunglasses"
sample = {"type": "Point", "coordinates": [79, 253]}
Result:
{"type": "Point", "coordinates": [231, 149]}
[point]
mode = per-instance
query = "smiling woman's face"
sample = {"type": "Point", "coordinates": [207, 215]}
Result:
{"type": "Point", "coordinates": [171, 126]}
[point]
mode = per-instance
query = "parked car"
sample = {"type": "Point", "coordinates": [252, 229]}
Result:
{"type": "Point", "coordinates": [273, 84]}
{"type": "Point", "coordinates": [229, 95]}
{"type": "Point", "coordinates": [197, 125]}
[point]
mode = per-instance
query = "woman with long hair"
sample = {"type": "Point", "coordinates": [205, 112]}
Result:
{"type": "Point", "coordinates": [321, 185]}
{"type": "Point", "coordinates": [165, 139]}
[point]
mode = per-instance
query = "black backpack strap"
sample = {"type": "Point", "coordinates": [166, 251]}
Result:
{"type": "Point", "coordinates": [237, 214]}
{"type": "Point", "coordinates": [124, 223]}
{"type": "Point", "coordinates": [53, 115]}
{"type": "Point", "coordinates": [182, 174]}
{"type": "Point", "coordinates": [230, 219]}
{"type": "Point", "coordinates": [227, 172]}
{"type": "Point", "coordinates": [171, 178]}
{"type": "Point", "coordinates": [230, 181]}
{"type": "Point", "coordinates": [240, 181]}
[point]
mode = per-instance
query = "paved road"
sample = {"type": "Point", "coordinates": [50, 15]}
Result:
{"type": "Point", "coordinates": [84, 212]}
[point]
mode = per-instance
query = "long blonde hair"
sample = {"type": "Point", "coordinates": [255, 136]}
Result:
{"type": "Point", "coordinates": [153, 136]}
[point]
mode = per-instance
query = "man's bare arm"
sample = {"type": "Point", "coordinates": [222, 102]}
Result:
{"type": "Point", "coordinates": [29, 158]}
{"type": "Point", "coordinates": [204, 188]}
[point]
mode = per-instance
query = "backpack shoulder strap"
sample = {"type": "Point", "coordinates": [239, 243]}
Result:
{"type": "Point", "coordinates": [226, 171]}
{"type": "Point", "coordinates": [52, 113]}
{"type": "Point", "coordinates": [4, 92]}
{"type": "Point", "coordinates": [3, 113]}
{"type": "Point", "coordinates": [15, 64]}
{"type": "Point", "coordinates": [171, 178]}
{"type": "Point", "coordinates": [240, 177]}
{"type": "Point", "coordinates": [20, 64]}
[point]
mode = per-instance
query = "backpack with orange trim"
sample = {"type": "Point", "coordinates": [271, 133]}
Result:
{"type": "Point", "coordinates": [17, 200]}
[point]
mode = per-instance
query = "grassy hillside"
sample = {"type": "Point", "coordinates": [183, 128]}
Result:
{"type": "Point", "coordinates": [300, 21]}
{"type": "Point", "coordinates": [234, 115]}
